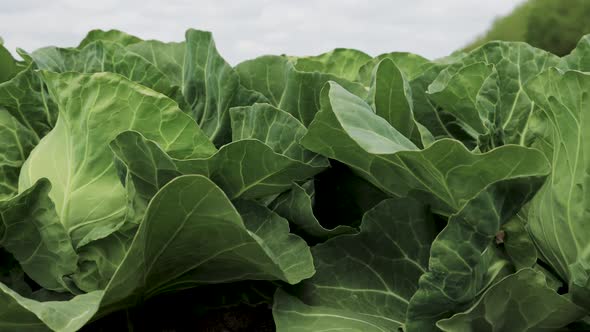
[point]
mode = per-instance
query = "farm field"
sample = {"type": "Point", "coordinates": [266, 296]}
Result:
{"type": "Point", "coordinates": [151, 186]}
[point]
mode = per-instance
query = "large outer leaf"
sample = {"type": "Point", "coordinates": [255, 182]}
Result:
{"type": "Point", "coordinates": [31, 231]}
{"type": "Point", "coordinates": [203, 241]}
{"type": "Point", "coordinates": [368, 278]}
{"type": "Point", "coordinates": [458, 269]}
{"type": "Point", "coordinates": [192, 235]}
{"type": "Point", "coordinates": [519, 302]}
{"type": "Point", "coordinates": [94, 109]}
{"type": "Point", "coordinates": [99, 260]}
{"type": "Point", "coordinates": [347, 130]}
{"type": "Point", "coordinates": [22, 314]}
{"type": "Point", "coordinates": [340, 62]}
{"type": "Point", "coordinates": [558, 215]}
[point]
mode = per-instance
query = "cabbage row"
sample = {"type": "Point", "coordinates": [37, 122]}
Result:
{"type": "Point", "coordinates": [350, 193]}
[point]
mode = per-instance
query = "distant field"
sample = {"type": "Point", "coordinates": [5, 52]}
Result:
{"type": "Point", "coordinates": [553, 25]}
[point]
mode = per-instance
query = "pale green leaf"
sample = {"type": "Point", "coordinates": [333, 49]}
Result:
{"type": "Point", "coordinates": [89, 198]}
{"type": "Point", "coordinates": [557, 216]}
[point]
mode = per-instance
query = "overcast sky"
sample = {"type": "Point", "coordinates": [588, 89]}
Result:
{"type": "Point", "coordinates": [246, 29]}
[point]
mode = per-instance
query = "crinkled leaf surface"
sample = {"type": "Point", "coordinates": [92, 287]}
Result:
{"type": "Point", "coordinates": [459, 267]}
{"type": "Point", "coordinates": [519, 302]}
{"type": "Point", "coordinates": [471, 95]}
{"type": "Point", "coordinates": [366, 279]}
{"type": "Point", "coordinates": [105, 56]}
{"type": "Point", "coordinates": [125, 197]}
{"type": "Point", "coordinates": [226, 249]}
{"type": "Point", "coordinates": [167, 57]}
{"type": "Point", "coordinates": [515, 63]}
{"type": "Point", "coordinates": [557, 216]}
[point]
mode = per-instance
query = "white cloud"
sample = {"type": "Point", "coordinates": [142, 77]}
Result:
{"type": "Point", "coordinates": [247, 29]}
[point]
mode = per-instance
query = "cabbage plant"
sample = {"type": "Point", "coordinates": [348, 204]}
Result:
{"type": "Point", "coordinates": [344, 191]}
